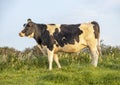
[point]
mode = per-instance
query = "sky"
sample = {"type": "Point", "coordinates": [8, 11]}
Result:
{"type": "Point", "coordinates": [14, 13]}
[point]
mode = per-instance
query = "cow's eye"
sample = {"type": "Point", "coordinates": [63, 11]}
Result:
{"type": "Point", "coordinates": [24, 25]}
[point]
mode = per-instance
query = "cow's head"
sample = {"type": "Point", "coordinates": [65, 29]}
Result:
{"type": "Point", "coordinates": [28, 30]}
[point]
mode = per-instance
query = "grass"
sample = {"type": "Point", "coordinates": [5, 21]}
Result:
{"type": "Point", "coordinates": [76, 70]}
{"type": "Point", "coordinates": [72, 73]}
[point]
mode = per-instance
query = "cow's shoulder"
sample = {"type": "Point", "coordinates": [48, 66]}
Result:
{"type": "Point", "coordinates": [43, 36]}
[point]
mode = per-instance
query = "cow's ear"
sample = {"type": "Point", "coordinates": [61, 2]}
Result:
{"type": "Point", "coordinates": [29, 20]}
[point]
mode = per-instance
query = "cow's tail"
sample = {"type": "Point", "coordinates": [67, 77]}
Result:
{"type": "Point", "coordinates": [97, 36]}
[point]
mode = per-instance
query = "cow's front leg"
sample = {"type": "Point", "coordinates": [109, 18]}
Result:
{"type": "Point", "coordinates": [50, 58]}
{"type": "Point", "coordinates": [55, 57]}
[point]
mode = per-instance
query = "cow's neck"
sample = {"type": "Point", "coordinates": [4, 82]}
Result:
{"type": "Point", "coordinates": [38, 39]}
{"type": "Point", "coordinates": [37, 35]}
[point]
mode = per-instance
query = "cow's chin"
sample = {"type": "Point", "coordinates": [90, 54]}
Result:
{"type": "Point", "coordinates": [31, 35]}
{"type": "Point", "coordinates": [21, 34]}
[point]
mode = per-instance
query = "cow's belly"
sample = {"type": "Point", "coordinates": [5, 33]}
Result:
{"type": "Point", "coordinates": [71, 47]}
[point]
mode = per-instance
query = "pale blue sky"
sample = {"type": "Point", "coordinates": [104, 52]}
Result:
{"type": "Point", "coordinates": [14, 13]}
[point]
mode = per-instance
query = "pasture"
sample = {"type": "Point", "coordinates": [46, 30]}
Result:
{"type": "Point", "coordinates": [31, 68]}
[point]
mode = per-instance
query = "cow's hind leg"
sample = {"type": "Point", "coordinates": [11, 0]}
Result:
{"type": "Point", "coordinates": [55, 57]}
{"type": "Point", "coordinates": [94, 56]}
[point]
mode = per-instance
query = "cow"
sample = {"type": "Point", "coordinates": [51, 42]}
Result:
{"type": "Point", "coordinates": [53, 38]}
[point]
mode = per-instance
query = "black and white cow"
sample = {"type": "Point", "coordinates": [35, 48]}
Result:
{"type": "Point", "coordinates": [52, 38]}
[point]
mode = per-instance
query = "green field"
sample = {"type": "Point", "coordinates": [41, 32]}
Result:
{"type": "Point", "coordinates": [76, 69]}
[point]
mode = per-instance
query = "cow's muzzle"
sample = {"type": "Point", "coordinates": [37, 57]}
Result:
{"type": "Point", "coordinates": [21, 34]}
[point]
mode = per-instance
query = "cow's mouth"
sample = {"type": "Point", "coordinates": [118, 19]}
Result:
{"type": "Point", "coordinates": [21, 34]}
